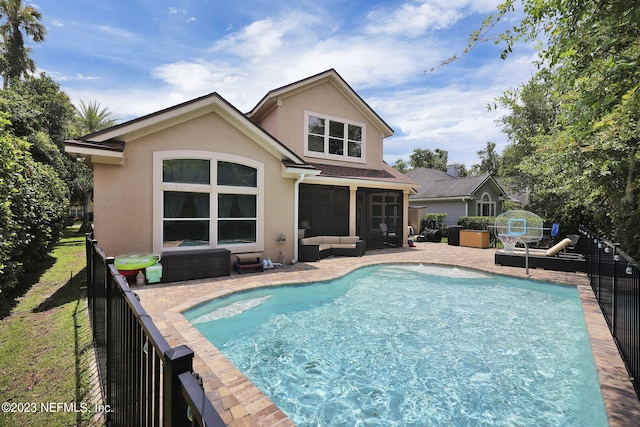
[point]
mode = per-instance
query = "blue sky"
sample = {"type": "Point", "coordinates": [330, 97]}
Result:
{"type": "Point", "coordinates": [137, 57]}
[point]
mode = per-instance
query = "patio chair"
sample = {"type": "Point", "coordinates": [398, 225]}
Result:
{"type": "Point", "coordinates": [389, 237]}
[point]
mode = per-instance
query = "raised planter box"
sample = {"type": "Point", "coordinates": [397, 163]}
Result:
{"type": "Point", "coordinates": [195, 264]}
{"type": "Point", "coordinates": [474, 239]}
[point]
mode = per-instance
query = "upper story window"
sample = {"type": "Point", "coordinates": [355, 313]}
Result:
{"type": "Point", "coordinates": [334, 138]}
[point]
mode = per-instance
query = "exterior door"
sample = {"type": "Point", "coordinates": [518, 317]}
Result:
{"type": "Point", "coordinates": [379, 217]}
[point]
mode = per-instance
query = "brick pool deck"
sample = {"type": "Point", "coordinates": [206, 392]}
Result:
{"type": "Point", "coordinates": [242, 404]}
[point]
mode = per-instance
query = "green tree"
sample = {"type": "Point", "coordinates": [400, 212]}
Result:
{"type": "Point", "coordinates": [425, 158]}
{"type": "Point", "coordinates": [41, 114]}
{"type": "Point", "coordinates": [489, 161]}
{"type": "Point", "coordinates": [401, 166]}
{"type": "Point", "coordinates": [19, 18]}
{"type": "Point", "coordinates": [533, 111]}
{"type": "Point", "coordinates": [33, 205]}
{"type": "Point", "coordinates": [584, 167]}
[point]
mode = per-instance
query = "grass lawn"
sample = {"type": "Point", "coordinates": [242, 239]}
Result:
{"type": "Point", "coordinates": [46, 353]}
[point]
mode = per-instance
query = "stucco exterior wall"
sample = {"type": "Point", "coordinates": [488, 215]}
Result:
{"type": "Point", "coordinates": [323, 99]}
{"type": "Point", "coordinates": [123, 195]}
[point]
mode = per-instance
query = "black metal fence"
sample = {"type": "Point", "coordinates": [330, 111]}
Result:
{"type": "Point", "coordinates": [615, 279]}
{"type": "Point", "coordinates": [145, 382]}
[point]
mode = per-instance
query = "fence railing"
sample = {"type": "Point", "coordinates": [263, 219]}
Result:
{"type": "Point", "coordinates": [145, 382]}
{"type": "Point", "coordinates": [615, 280]}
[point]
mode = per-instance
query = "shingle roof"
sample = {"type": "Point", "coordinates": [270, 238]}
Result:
{"type": "Point", "coordinates": [437, 184]}
{"type": "Point", "coordinates": [386, 174]}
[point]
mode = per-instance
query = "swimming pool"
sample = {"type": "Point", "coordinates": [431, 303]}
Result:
{"type": "Point", "coordinates": [412, 345]}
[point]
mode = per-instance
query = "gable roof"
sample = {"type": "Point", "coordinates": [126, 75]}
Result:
{"type": "Point", "coordinates": [437, 184]}
{"type": "Point", "coordinates": [108, 145]}
{"type": "Point", "coordinates": [110, 142]}
{"type": "Point", "coordinates": [273, 97]}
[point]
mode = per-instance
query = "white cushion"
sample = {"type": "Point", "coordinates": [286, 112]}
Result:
{"type": "Point", "coordinates": [330, 239]}
{"type": "Point", "coordinates": [343, 245]}
{"type": "Point", "coordinates": [349, 239]}
{"type": "Point", "coordinates": [311, 240]}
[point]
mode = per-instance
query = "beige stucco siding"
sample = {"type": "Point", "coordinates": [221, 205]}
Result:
{"type": "Point", "coordinates": [124, 195]}
{"type": "Point", "coordinates": [122, 208]}
{"type": "Point", "coordinates": [323, 99]}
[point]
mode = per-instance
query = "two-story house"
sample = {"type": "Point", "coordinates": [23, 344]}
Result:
{"type": "Point", "coordinates": [306, 160]}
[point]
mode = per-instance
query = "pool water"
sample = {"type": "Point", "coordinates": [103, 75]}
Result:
{"type": "Point", "coordinates": [413, 345]}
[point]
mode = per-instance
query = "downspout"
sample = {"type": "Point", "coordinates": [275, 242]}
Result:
{"type": "Point", "coordinates": [296, 197]}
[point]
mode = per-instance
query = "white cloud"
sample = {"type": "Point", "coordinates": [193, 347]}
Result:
{"type": "Point", "coordinates": [177, 11]}
{"type": "Point", "coordinates": [272, 52]}
{"type": "Point", "coordinates": [181, 12]}
{"type": "Point", "coordinates": [454, 118]}
{"type": "Point", "coordinates": [264, 37]}
{"type": "Point", "coordinates": [115, 32]}
{"type": "Point", "coordinates": [415, 18]}
{"type": "Point", "coordinates": [445, 109]}
{"type": "Point", "coordinates": [71, 77]}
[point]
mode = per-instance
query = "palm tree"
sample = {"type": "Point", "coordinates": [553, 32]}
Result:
{"type": "Point", "coordinates": [18, 18]}
{"type": "Point", "coordinates": [90, 118]}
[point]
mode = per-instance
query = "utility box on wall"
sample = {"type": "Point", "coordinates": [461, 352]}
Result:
{"type": "Point", "coordinates": [474, 238]}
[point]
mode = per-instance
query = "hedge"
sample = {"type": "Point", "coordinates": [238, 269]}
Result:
{"type": "Point", "coordinates": [33, 204]}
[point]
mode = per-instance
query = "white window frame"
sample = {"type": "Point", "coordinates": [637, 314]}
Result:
{"type": "Point", "coordinates": [326, 155]}
{"type": "Point", "coordinates": [488, 202]}
{"type": "Point", "coordinates": [159, 187]}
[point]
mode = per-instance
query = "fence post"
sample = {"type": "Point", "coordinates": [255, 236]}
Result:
{"type": "Point", "coordinates": [108, 330]}
{"type": "Point", "coordinates": [614, 291]}
{"type": "Point", "coordinates": [88, 244]}
{"type": "Point", "coordinates": [178, 360]}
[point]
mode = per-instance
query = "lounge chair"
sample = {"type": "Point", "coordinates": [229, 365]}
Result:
{"type": "Point", "coordinates": [555, 258]}
{"type": "Point", "coordinates": [562, 245]}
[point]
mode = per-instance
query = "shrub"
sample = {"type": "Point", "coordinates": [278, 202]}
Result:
{"type": "Point", "coordinates": [477, 222]}
{"type": "Point", "coordinates": [33, 205]}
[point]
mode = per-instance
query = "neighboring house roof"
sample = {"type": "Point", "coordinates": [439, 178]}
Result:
{"type": "Point", "coordinates": [272, 98]}
{"type": "Point", "coordinates": [515, 195]}
{"type": "Point", "coordinates": [438, 185]}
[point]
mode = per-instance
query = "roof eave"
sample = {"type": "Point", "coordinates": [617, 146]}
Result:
{"type": "Point", "coordinates": [163, 119]}
{"type": "Point", "coordinates": [443, 199]}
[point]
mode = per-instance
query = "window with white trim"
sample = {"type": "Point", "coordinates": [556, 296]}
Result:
{"type": "Point", "coordinates": [206, 200]}
{"type": "Point", "coordinates": [486, 207]}
{"type": "Point", "coordinates": [333, 138]}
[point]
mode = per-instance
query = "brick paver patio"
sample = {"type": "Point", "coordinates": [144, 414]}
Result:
{"type": "Point", "coordinates": [240, 403]}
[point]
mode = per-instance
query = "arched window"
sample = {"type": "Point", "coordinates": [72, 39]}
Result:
{"type": "Point", "coordinates": [207, 200]}
{"type": "Point", "coordinates": [485, 206]}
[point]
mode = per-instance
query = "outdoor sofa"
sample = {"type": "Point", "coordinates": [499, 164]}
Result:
{"type": "Point", "coordinates": [318, 247]}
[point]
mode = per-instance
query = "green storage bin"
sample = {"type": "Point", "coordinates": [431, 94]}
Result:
{"type": "Point", "coordinates": [154, 273]}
